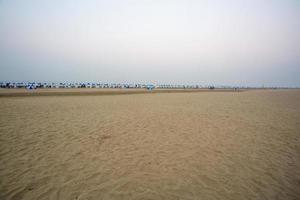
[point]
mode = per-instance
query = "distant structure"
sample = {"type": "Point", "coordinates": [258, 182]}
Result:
{"type": "Point", "coordinates": [150, 87]}
{"type": "Point", "coordinates": [31, 86]}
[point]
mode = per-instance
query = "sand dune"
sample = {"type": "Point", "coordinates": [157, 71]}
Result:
{"type": "Point", "coordinates": [242, 145]}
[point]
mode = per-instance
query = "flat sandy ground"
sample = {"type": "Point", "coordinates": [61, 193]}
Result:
{"type": "Point", "coordinates": [204, 145]}
{"type": "Point", "coordinates": [95, 91]}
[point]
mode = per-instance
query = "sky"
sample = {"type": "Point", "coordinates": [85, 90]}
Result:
{"type": "Point", "coordinates": [206, 42]}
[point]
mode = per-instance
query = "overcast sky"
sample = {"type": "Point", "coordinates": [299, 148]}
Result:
{"type": "Point", "coordinates": [232, 42]}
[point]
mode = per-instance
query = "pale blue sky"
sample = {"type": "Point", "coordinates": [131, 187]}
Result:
{"type": "Point", "coordinates": [230, 42]}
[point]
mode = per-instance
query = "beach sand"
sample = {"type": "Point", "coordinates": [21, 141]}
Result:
{"type": "Point", "coordinates": [96, 91]}
{"type": "Point", "coordinates": [198, 145]}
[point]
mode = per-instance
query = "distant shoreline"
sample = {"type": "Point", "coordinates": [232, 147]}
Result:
{"type": "Point", "coordinates": [97, 91]}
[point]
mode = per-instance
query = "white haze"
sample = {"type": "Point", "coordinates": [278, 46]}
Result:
{"type": "Point", "coordinates": [231, 42]}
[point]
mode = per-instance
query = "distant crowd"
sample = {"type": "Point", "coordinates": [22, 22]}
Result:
{"type": "Point", "coordinates": [36, 85]}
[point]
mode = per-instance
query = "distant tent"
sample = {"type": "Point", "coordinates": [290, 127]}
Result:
{"type": "Point", "coordinates": [150, 87]}
{"type": "Point", "coordinates": [31, 87]}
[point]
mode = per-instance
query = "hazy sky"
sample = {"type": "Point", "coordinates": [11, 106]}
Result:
{"type": "Point", "coordinates": [232, 42]}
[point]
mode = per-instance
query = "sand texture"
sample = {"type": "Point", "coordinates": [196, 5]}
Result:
{"type": "Point", "coordinates": [96, 91]}
{"type": "Point", "coordinates": [204, 145]}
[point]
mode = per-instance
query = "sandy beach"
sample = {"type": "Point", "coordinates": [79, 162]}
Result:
{"type": "Point", "coordinates": [96, 91]}
{"type": "Point", "coordinates": [181, 145]}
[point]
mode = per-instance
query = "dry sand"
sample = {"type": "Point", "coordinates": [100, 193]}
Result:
{"type": "Point", "coordinates": [207, 145]}
{"type": "Point", "coordinates": [95, 91]}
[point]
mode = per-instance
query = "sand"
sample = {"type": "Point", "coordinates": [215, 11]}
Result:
{"type": "Point", "coordinates": [96, 91]}
{"type": "Point", "coordinates": [204, 145]}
